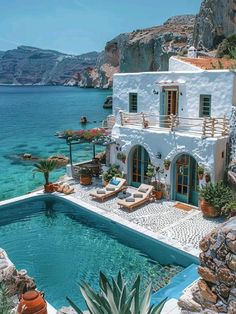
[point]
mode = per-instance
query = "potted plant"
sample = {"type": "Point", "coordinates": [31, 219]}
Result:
{"type": "Point", "coordinates": [85, 176]}
{"type": "Point", "coordinates": [121, 156]}
{"type": "Point", "coordinates": [200, 172]}
{"type": "Point", "coordinates": [152, 173]}
{"type": "Point", "coordinates": [113, 171]}
{"type": "Point", "coordinates": [213, 198]}
{"type": "Point", "coordinates": [46, 166]}
{"type": "Point", "coordinates": [166, 163]}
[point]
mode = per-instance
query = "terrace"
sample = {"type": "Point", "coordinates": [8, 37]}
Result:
{"type": "Point", "coordinates": [204, 127]}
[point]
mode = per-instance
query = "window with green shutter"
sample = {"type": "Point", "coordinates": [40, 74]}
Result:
{"type": "Point", "coordinates": [205, 106]}
{"type": "Point", "coordinates": [133, 102]}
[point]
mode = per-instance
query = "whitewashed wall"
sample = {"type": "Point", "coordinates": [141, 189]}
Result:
{"type": "Point", "coordinates": [176, 64]}
{"type": "Point", "coordinates": [219, 84]}
{"type": "Point", "coordinates": [207, 152]}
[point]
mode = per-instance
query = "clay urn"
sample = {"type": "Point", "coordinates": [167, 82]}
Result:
{"type": "Point", "coordinates": [32, 302]}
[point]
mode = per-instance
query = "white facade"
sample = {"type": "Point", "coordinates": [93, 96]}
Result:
{"type": "Point", "coordinates": [163, 142]}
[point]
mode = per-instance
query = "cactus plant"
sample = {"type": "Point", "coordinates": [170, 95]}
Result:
{"type": "Point", "coordinates": [117, 298]}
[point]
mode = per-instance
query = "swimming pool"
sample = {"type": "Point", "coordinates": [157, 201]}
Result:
{"type": "Point", "coordinates": [60, 243]}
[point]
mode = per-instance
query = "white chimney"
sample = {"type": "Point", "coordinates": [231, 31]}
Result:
{"type": "Point", "coordinates": [192, 52]}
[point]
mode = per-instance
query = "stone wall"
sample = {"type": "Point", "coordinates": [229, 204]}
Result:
{"type": "Point", "coordinates": [16, 281]}
{"type": "Point", "coordinates": [216, 290]}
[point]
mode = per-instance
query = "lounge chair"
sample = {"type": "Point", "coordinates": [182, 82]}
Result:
{"type": "Point", "coordinates": [139, 197]}
{"type": "Point", "coordinates": [114, 186]}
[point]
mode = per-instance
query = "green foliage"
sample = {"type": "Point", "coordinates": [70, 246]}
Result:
{"type": "Point", "coordinates": [85, 172]}
{"type": "Point", "coordinates": [154, 172]}
{"type": "Point", "coordinates": [166, 162]}
{"type": "Point", "coordinates": [216, 195]}
{"type": "Point", "coordinates": [5, 304]}
{"type": "Point", "coordinates": [113, 171]}
{"type": "Point", "coordinates": [121, 156]}
{"type": "Point", "coordinates": [227, 47]}
{"type": "Point", "coordinates": [45, 166]}
{"type": "Point", "coordinates": [115, 297]}
{"type": "Point", "coordinates": [200, 169]}
{"type": "Point", "coordinates": [229, 209]}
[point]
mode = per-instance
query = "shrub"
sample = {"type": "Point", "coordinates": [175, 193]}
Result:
{"type": "Point", "coordinates": [5, 304]}
{"type": "Point", "coordinates": [113, 171]}
{"type": "Point", "coordinates": [226, 47]}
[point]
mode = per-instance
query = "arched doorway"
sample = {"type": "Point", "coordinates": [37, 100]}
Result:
{"type": "Point", "coordinates": [138, 163]}
{"type": "Point", "coordinates": [186, 180]}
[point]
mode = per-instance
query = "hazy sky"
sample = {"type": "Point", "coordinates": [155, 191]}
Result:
{"type": "Point", "coordinates": [78, 26]}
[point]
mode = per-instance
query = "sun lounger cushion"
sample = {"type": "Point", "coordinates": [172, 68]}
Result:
{"type": "Point", "coordinates": [138, 195]}
{"type": "Point", "coordinates": [130, 199]}
{"type": "Point", "coordinates": [109, 188]}
{"type": "Point", "coordinates": [114, 182]}
{"type": "Point", "coordinates": [143, 190]}
{"type": "Point", "coordinates": [101, 191]}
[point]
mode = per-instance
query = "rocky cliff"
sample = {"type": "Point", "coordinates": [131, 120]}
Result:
{"type": "Point", "coordinates": [215, 21]}
{"type": "Point", "coordinates": [141, 50]}
{"type": "Point", "coordinates": [29, 66]}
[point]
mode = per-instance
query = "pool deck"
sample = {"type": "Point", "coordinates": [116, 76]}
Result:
{"type": "Point", "coordinates": [180, 228]}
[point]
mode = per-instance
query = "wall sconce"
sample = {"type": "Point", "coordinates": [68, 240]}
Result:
{"type": "Point", "coordinates": [158, 155]}
{"type": "Point", "coordinates": [155, 92]}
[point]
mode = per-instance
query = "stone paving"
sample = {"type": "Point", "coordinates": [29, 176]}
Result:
{"type": "Point", "coordinates": [186, 227]}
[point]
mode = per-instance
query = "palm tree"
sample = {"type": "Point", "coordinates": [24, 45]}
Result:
{"type": "Point", "coordinates": [45, 166]}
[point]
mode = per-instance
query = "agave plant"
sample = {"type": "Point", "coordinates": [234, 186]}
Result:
{"type": "Point", "coordinates": [45, 167]}
{"type": "Point", "coordinates": [5, 304]}
{"type": "Point", "coordinates": [117, 298]}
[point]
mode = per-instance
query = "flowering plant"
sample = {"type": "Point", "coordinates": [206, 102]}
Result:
{"type": "Point", "coordinates": [86, 135]}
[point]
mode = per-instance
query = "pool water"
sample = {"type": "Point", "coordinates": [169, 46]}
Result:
{"type": "Point", "coordinates": [60, 244]}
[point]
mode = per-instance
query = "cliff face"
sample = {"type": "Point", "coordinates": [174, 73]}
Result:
{"type": "Point", "coordinates": [141, 50]}
{"type": "Point", "coordinates": [215, 21]}
{"type": "Point", "coordinates": [29, 66]}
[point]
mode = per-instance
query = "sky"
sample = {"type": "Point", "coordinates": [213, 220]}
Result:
{"type": "Point", "coordinates": [79, 26]}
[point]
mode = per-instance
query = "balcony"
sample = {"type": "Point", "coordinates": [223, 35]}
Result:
{"type": "Point", "coordinates": [204, 127]}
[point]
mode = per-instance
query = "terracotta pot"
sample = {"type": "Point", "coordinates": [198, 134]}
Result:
{"type": "Point", "coordinates": [157, 194]}
{"type": "Point", "coordinates": [105, 183]}
{"type": "Point", "coordinates": [167, 167]}
{"type": "Point", "coordinates": [85, 180]}
{"type": "Point", "coordinates": [49, 188]}
{"type": "Point", "coordinates": [207, 209]}
{"type": "Point", "coordinates": [200, 176]}
{"type": "Point", "coordinates": [32, 302]}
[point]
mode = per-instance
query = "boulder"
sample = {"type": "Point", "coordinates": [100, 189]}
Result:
{"type": "Point", "coordinates": [231, 261]}
{"type": "Point", "coordinates": [206, 292]}
{"type": "Point", "coordinates": [207, 274]}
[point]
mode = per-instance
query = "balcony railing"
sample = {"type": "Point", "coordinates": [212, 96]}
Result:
{"type": "Point", "coordinates": [109, 122]}
{"type": "Point", "coordinates": [206, 127]}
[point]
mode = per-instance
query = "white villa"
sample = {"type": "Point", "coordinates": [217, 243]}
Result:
{"type": "Point", "coordinates": [181, 116]}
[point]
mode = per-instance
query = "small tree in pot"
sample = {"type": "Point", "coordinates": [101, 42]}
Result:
{"type": "Point", "coordinates": [85, 176]}
{"type": "Point", "coordinates": [46, 166]}
{"type": "Point", "coordinates": [154, 173]}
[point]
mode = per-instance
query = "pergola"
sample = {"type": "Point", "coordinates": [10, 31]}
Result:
{"type": "Point", "coordinates": [95, 136]}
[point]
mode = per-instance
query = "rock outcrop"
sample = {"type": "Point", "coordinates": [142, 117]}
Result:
{"type": "Point", "coordinates": [215, 21]}
{"type": "Point", "coordinates": [16, 281]}
{"type": "Point", "coordinates": [141, 50]}
{"type": "Point", "coordinates": [215, 292]}
{"type": "Point", "coordinates": [33, 66]}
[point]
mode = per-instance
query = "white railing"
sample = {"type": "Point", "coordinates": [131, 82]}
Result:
{"type": "Point", "coordinates": [206, 127]}
{"type": "Point", "coordinates": [109, 122]}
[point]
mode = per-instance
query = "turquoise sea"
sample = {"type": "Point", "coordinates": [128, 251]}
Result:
{"type": "Point", "coordinates": [29, 118]}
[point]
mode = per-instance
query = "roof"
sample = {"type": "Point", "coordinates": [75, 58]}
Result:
{"type": "Point", "coordinates": [210, 63]}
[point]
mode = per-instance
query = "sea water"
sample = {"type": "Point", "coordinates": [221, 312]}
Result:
{"type": "Point", "coordinates": [30, 117]}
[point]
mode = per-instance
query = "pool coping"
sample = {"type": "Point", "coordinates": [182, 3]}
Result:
{"type": "Point", "coordinates": [187, 249]}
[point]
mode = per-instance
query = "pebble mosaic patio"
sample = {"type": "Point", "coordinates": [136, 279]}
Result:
{"type": "Point", "coordinates": [185, 227]}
